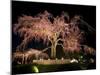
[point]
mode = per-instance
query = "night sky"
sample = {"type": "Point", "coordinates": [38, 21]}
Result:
{"type": "Point", "coordinates": [88, 13]}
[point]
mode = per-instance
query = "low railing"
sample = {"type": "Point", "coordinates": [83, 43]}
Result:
{"type": "Point", "coordinates": [52, 61]}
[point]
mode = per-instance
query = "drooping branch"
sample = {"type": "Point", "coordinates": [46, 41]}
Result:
{"type": "Point", "coordinates": [59, 40]}
{"type": "Point", "coordinates": [46, 49]}
{"type": "Point", "coordinates": [61, 45]}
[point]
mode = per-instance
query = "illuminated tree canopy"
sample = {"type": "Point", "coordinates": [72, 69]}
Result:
{"type": "Point", "coordinates": [44, 26]}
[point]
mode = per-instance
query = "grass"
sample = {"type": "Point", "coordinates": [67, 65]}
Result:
{"type": "Point", "coordinates": [41, 68]}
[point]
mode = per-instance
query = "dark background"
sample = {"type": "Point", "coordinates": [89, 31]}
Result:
{"type": "Point", "coordinates": [88, 14]}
